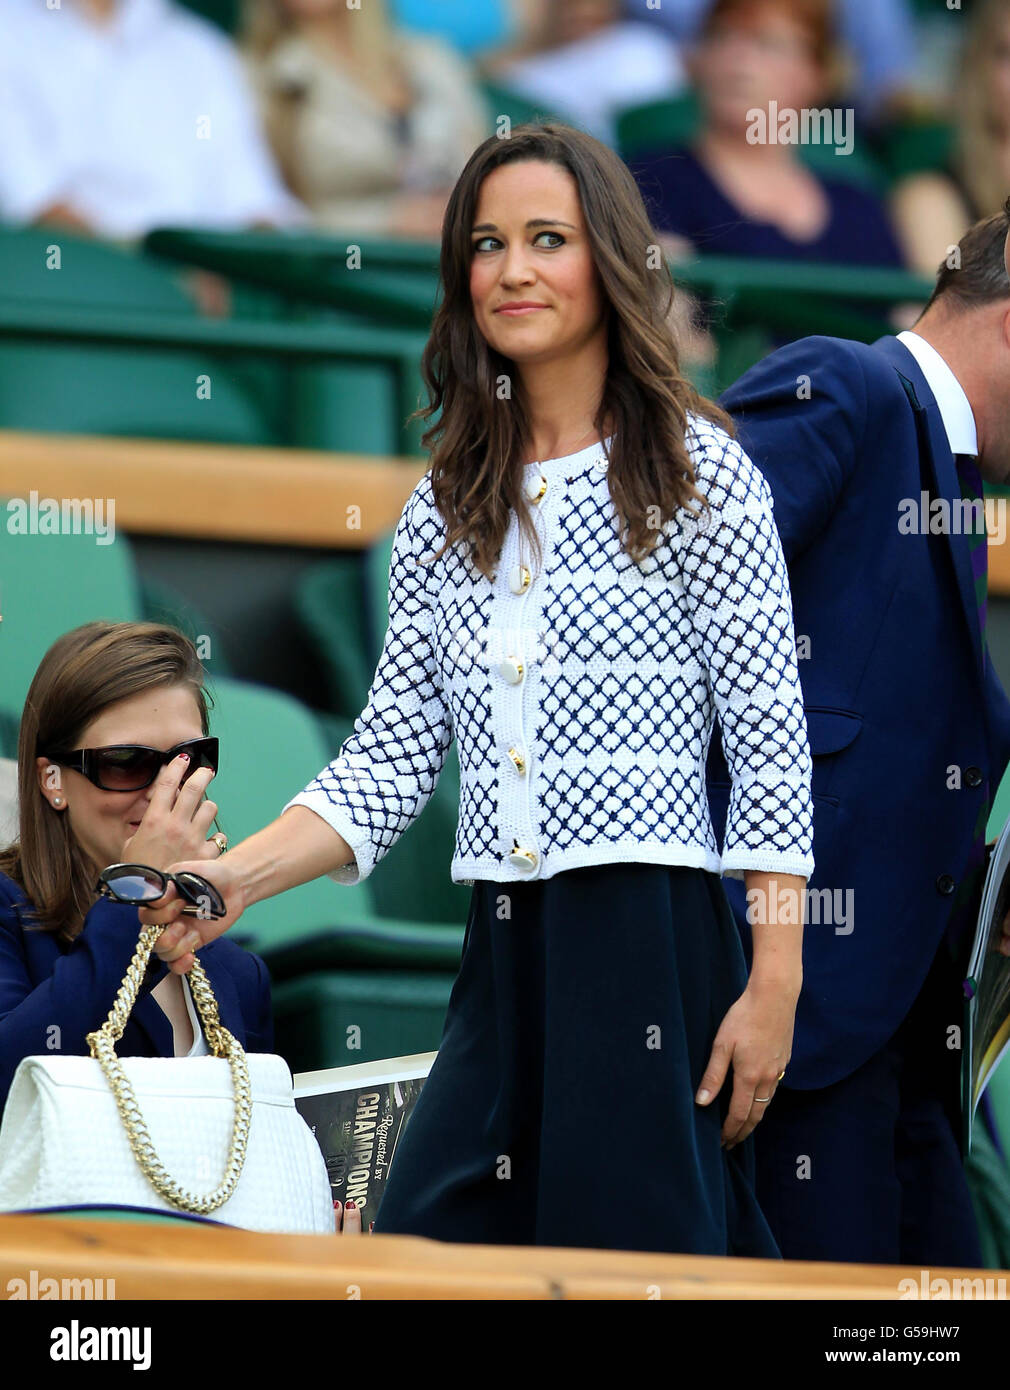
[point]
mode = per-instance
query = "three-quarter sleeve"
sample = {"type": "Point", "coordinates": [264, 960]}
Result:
{"type": "Point", "coordinates": [388, 767]}
{"type": "Point", "coordinates": [737, 590]}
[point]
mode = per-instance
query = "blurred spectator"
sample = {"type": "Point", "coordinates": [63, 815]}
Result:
{"type": "Point", "coordinates": [733, 194]}
{"type": "Point", "coordinates": [933, 210]}
{"type": "Point", "coordinates": [371, 126]}
{"type": "Point", "coordinates": [583, 63]}
{"type": "Point", "coordinates": [880, 36]}
{"type": "Point", "coordinates": [117, 116]}
{"type": "Point", "coordinates": [471, 29]}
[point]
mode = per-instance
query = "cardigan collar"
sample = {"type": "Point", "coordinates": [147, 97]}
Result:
{"type": "Point", "coordinates": [569, 464]}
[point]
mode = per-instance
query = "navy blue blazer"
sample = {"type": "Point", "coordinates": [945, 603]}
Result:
{"type": "Point", "coordinates": [897, 687]}
{"type": "Point", "coordinates": [44, 983]}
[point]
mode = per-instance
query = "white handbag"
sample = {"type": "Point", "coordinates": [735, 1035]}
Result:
{"type": "Point", "coordinates": [107, 1130]}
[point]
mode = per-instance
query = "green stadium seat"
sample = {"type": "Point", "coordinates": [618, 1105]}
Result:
{"type": "Point", "coordinates": [999, 1095]}
{"type": "Point", "coordinates": [333, 1020]}
{"type": "Point", "coordinates": [670, 121]}
{"type": "Point", "coordinates": [94, 389]}
{"type": "Point", "coordinates": [50, 584]}
{"type": "Point", "coordinates": [349, 407]}
{"type": "Point", "coordinates": [223, 13]}
{"type": "Point", "coordinates": [500, 100]}
{"type": "Point", "coordinates": [1000, 812]}
{"type": "Point", "coordinates": [675, 121]}
{"type": "Point", "coordinates": [915, 147]}
{"type": "Point", "coordinates": [330, 604]}
{"type": "Point", "coordinates": [161, 603]}
{"type": "Point", "coordinates": [378, 559]}
{"type": "Point", "coordinates": [9, 726]}
{"type": "Point", "coordinates": [271, 746]}
{"type": "Point", "coordinates": [53, 265]}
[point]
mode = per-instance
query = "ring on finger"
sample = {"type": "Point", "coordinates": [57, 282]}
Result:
{"type": "Point", "coordinates": [221, 840]}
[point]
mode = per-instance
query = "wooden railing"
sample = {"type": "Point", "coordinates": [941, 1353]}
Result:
{"type": "Point", "coordinates": [188, 1261]}
{"type": "Point", "coordinates": [216, 491]}
{"type": "Point", "coordinates": [237, 493]}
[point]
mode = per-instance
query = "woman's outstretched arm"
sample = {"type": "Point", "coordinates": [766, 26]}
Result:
{"type": "Point", "coordinates": [360, 804]}
{"type": "Point", "coordinates": [295, 848]}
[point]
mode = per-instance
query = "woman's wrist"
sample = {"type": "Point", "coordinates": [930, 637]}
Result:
{"type": "Point", "coordinates": [782, 980]}
{"type": "Point", "coordinates": [296, 848]}
{"type": "Point", "coordinates": [775, 912]}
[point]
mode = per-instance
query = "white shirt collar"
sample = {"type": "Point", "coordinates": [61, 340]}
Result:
{"type": "Point", "coordinates": [953, 404]}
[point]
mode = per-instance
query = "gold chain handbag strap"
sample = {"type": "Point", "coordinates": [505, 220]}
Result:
{"type": "Point", "coordinates": [222, 1043]}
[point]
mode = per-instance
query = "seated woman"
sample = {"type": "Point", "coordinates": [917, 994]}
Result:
{"type": "Point", "coordinates": [730, 194]}
{"type": "Point", "coordinates": [370, 125]}
{"type": "Point", "coordinates": [64, 949]}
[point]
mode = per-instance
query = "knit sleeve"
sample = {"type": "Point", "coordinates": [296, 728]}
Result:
{"type": "Point", "coordinates": [737, 591]}
{"type": "Point", "coordinates": [388, 767]}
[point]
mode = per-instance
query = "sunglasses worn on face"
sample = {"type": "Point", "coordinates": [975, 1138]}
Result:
{"type": "Point", "coordinates": [129, 767]}
{"type": "Point", "coordinates": [137, 884]}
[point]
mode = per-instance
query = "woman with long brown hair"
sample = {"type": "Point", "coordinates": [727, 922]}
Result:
{"type": "Point", "coordinates": [588, 573]}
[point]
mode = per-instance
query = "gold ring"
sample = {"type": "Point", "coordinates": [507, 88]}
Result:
{"type": "Point", "coordinates": [221, 840]}
{"type": "Point", "coordinates": [780, 1076]}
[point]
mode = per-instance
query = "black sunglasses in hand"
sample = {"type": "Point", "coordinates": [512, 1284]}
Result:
{"type": "Point", "coordinates": [130, 767]}
{"type": "Point", "coordinates": [138, 884]}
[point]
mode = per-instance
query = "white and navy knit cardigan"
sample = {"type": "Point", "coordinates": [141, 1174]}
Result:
{"type": "Point", "coordinates": [582, 694]}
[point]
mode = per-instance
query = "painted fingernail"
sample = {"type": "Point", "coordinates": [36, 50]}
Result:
{"type": "Point", "coordinates": [184, 757]}
{"type": "Point", "coordinates": [350, 1207]}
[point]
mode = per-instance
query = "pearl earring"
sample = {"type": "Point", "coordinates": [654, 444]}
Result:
{"type": "Point", "coordinates": [57, 800]}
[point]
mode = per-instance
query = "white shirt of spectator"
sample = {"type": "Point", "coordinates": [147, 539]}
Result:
{"type": "Point", "coordinates": [144, 120]}
{"type": "Point", "coordinates": [589, 80]}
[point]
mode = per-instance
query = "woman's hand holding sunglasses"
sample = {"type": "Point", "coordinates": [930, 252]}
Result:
{"type": "Point", "coordinates": [177, 819]}
{"type": "Point", "coordinates": [186, 934]}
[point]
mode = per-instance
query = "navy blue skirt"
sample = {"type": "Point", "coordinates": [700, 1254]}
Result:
{"type": "Point", "coordinates": [560, 1109]}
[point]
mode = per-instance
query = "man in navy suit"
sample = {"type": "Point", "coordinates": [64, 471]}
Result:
{"type": "Point", "coordinates": [875, 457]}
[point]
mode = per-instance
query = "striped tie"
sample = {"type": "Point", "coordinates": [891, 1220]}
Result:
{"type": "Point", "coordinates": [964, 909]}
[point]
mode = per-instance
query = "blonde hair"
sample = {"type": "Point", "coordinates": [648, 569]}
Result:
{"type": "Point", "coordinates": [977, 140]}
{"type": "Point", "coordinates": [375, 43]}
{"type": "Point", "coordinates": [375, 62]}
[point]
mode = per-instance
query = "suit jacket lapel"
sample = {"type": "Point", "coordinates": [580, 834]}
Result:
{"type": "Point", "coordinates": [934, 447]}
